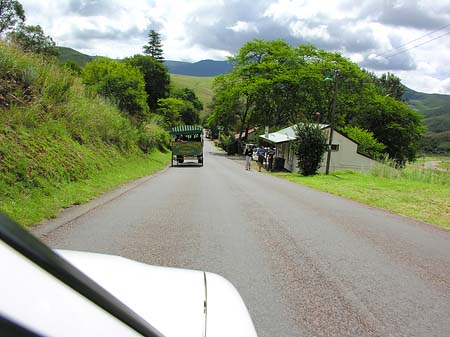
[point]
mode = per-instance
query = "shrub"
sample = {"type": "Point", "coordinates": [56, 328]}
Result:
{"type": "Point", "coordinates": [309, 147]}
{"type": "Point", "coordinates": [121, 83]}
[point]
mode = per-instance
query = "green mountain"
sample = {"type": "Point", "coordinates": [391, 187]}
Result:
{"type": "Point", "coordinates": [436, 110]}
{"type": "Point", "coordinates": [204, 68]}
{"type": "Point", "coordinates": [202, 86]}
{"type": "Point", "coordinates": [69, 54]}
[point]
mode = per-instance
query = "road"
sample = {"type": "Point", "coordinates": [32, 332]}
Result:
{"type": "Point", "coordinates": [305, 262]}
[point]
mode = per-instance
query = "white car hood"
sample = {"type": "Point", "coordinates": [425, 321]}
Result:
{"type": "Point", "coordinates": [170, 299]}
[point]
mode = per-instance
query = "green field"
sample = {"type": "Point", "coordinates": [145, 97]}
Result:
{"type": "Point", "coordinates": [428, 202]}
{"type": "Point", "coordinates": [202, 86]}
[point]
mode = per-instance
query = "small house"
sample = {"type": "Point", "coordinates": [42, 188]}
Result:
{"type": "Point", "coordinates": [344, 151]}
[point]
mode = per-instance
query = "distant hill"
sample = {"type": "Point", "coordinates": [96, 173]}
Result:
{"type": "Point", "coordinates": [205, 68]}
{"type": "Point", "coordinates": [202, 86]}
{"type": "Point", "coordinates": [436, 110]}
{"type": "Point", "coordinates": [69, 54]}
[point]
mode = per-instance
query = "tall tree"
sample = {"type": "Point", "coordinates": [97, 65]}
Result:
{"type": "Point", "coordinates": [11, 13]}
{"type": "Point", "coordinates": [156, 76]}
{"type": "Point", "coordinates": [154, 46]}
{"type": "Point", "coordinates": [32, 39]}
{"type": "Point", "coordinates": [275, 84]}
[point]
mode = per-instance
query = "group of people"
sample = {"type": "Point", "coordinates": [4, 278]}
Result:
{"type": "Point", "coordinates": [264, 155]}
{"type": "Point", "coordinates": [188, 138]}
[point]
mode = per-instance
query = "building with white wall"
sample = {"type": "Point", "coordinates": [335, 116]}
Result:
{"type": "Point", "coordinates": [344, 151]}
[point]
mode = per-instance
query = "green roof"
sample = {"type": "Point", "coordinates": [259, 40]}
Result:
{"type": "Point", "coordinates": [187, 130]}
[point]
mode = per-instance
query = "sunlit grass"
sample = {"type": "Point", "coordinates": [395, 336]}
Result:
{"type": "Point", "coordinates": [31, 206]}
{"type": "Point", "coordinates": [425, 201]}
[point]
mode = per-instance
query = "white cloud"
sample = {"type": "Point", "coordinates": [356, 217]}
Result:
{"type": "Point", "coordinates": [242, 26]}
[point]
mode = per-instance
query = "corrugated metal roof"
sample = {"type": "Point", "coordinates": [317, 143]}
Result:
{"type": "Point", "coordinates": [187, 130]}
{"type": "Point", "coordinates": [285, 135]}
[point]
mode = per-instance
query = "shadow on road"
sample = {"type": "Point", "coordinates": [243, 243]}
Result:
{"type": "Point", "coordinates": [187, 165]}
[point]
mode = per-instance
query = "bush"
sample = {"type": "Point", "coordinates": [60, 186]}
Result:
{"type": "Point", "coordinates": [121, 83]}
{"type": "Point", "coordinates": [309, 147]}
{"type": "Point", "coordinates": [153, 136]}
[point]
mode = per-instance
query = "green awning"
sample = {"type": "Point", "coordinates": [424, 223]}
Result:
{"type": "Point", "coordinates": [187, 130]}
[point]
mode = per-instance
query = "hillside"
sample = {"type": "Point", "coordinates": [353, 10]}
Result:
{"type": "Point", "coordinates": [69, 54]}
{"type": "Point", "coordinates": [205, 68]}
{"type": "Point", "coordinates": [436, 109]}
{"type": "Point", "coordinates": [202, 86]}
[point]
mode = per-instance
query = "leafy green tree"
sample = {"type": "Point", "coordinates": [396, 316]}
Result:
{"type": "Point", "coordinates": [395, 125]}
{"type": "Point", "coordinates": [154, 46]}
{"type": "Point", "coordinates": [309, 147]}
{"type": "Point", "coordinates": [11, 14]}
{"type": "Point", "coordinates": [156, 76]}
{"type": "Point", "coordinates": [170, 109]}
{"type": "Point", "coordinates": [367, 144]}
{"type": "Point", "coordinates": [190, 113]}
{"type": "Point", "coordinates": [391, 85]}
{"type": "Point", "coordinates": [189, 95]}
{"type": "Point", "coordinates": [32, 39]}
{"type": "Point", "coordinates": [275, 84]}
{"type": "Point", "coordinates": [121, 83]}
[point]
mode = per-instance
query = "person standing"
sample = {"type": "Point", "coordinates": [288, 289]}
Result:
{"type": "Point", "coordinates": [261, 153]}
{"type": "Point", "coordinates": [270, 156]}
{"type": "Point", "coordinates": [248, 157]}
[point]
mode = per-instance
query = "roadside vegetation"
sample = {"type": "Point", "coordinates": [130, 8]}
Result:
{"type": "Point", "coordinates": [418, 193]}
{"type": "Point", "coordinates": [61, 144]}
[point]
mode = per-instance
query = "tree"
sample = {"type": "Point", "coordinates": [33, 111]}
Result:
{"type": "Point", "coordinates": [169, 109]}
{"type": "Point", "coordinates": [32, 39]}
{"type": "Point", "coordinates": [119, 82]}
{"type": "Point", "coordinates": [395, 125]}
{"type": "Point", "coordinates": [190, 113]}
{"type": "Point", "coordinates": [275, 84]}
{"type": "Point", "coordinates": [154, 46]}
{"type": "Point", "coordinates": [189, 95]}
{"type": "Point", "coordinates": [367, 144]}
{"type": "Point", "coordinates": [156, 76]}
{"type": "Point", "coordinates": [11, 13]}
{"type": "Point", "coordinates": [309, 147]}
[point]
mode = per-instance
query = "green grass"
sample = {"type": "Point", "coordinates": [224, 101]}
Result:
{"type": "Point", "coordinates": [421, 200]}
{"type": "Point", "coordinates": [202, 86]}
{"type": "Point", "coordinates": [30, 206]}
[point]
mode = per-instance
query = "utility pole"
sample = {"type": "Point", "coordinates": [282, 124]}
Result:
{"type": "Point", "coordinates": [333, 111]}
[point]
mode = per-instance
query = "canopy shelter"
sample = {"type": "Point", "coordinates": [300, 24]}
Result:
{"type": "Point", "coordinates": [187, 130]}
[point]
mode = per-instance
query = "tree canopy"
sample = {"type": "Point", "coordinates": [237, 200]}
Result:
{"type": "Point", "coordinates": [11, 14]}
{"type": "Point", "coordinates": [156, 77]}
{"type": "Point", "coordinates": [121, 83]}
{"type": "Point", "coordinates": [275, 84]}
{"type": "Point", "coordinates": [154, 46]}
{"type": "Point", "coordinates": [33, 39]}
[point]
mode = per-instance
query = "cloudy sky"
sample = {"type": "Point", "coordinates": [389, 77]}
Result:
{"type": "Point", "coordinates": [408, 37]}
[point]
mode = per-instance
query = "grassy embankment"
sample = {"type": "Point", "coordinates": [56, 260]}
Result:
{"type": "Point", "coordinates": [202, 86]}
{"type": "Point", "coordinates": [59, 144]}
{"type": "Point", "coordinates": [422, 194]}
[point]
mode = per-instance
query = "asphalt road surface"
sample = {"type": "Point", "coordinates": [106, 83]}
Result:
{"type": "Point", "coordinates": [305, 262]}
